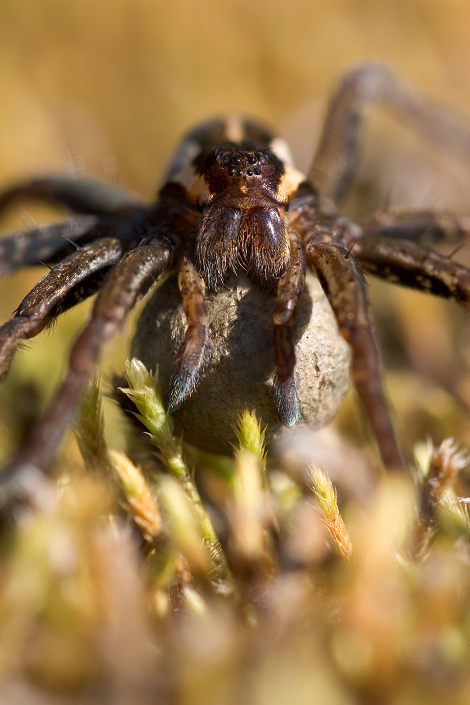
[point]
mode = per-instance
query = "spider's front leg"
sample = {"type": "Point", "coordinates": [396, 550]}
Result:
{"type": "Point", "coordinates": [410, 264]}
{"type": "Point", "coordinates": [194, 350]}
{"type": "Point", "coordinates": [394, 244]}
{"type": "Point", "coordinates": [78, 195]}
{"type": "Point", "coordinates": [130, 279]}
{"type": "Point", "coordinates": [69, 283]}
{"type": "Point", "coordinates": [374, 84]}
{"type": "Point", "coordinates": [289, 289]}
{"type": "Point", "coordinates": [46, 242]}
{"type": "Point", "coordinates": [343, 282]}
{"type": "Point", "coordinates": [104, 206]}
{"type": "Point", "coordinates": [425, 227]}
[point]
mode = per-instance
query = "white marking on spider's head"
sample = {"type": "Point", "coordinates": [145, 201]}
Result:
{"type": "Point", "coordinates": [234, 129]}
{"type": "Point", "coordinates": [181, 166]}
{"type": "Point", "coordinates": [198, 191]}
{"type": "Point", "coordinates": [289, 183]}
{"type": "Point", "coordinates": [281, 150]}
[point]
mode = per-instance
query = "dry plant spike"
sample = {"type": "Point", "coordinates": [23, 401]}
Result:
{"type": "Point", "coordinates": [250, 436]}
{"type": "Point", "coordinates": [90, 437]}
{"type": "Point", "coordinates": [444, 466]}
{"type": "Point", "coordinates": [89, 430]}
{"type": "Point", "coordinates": [454, 517]}
{"type": "Point", "coordinates": [248, 510]}
{"type": "Point", "coordinates": [250, 514]}
{"type": "Point", "coordinates": [138, 496]}
{"type": "Point", "coordinates": [325, 493]}
{"type": "Point", "coordinates": [145, 392]}
{"type": "Point", "coordinates": [184, 526]}
{"type": "Point", "coordinates": [194, 601]}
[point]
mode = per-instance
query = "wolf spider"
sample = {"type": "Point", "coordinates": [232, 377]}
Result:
{"type": "Point", "coordinates": [232, 201]}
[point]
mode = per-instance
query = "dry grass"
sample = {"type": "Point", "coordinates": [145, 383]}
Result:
{"type": "Point", "coordinates": [123, 591]}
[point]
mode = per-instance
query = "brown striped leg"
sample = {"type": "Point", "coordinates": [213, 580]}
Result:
{"type": "Point", "coordinates": [70, 282]}
{"type": "Point", "coordinates": [43, 244]}
{"type": "Point", "coordinates": [193, 352]}
{"type": "Point", "coordinates": [335, 158]}
{"type": "Point", "coordinates": [407, 263]}
{"type": "Point", "coordinates": [425, 227]}
{"type": "Point", "coordinates": [289, 289]}
{"type": "Point", "coordinates": [343, 282]}
{"type": "Point", "coordinates": [79, 195]}
{"type": "Point", "coordinates": [131, 278]}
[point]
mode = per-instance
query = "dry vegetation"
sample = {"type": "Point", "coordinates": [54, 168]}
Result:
{"type": "Point", "coordinates": [157, 574]}
{"type": "Point", "coordinates": [125, 587]}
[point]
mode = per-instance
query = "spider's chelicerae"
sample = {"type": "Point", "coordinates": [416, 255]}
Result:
{"type": "Point", "coordinates": [233, 201]}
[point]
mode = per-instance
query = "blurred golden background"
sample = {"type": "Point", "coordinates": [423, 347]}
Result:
{"type": "Point", "coordinates": [106, 88]}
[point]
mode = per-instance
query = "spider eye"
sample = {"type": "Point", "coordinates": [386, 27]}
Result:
{"type": "Point", "coordinates": [223, 157]}
{"type": "Point", "coordinates": [242, 163]}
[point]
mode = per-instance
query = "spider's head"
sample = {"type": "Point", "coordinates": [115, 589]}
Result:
{"type": "Point", "coordinates": [242, 179]}
{"type": "Point", "coordinates": [236, 163]}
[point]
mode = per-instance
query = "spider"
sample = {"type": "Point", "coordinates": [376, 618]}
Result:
{"type": "Point", "coordinates": [233, 201]}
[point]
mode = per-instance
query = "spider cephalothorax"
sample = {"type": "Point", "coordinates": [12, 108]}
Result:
{"type": "Point", "coordinates": [242, 189]}
{"type": "Point", "coordinates": [233, 202]}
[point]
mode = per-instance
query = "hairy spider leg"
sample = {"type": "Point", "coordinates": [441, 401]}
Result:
{"type": "Point", "coordinates": [335, 159]}
{"type": "Point", "coordinates": [343, 281]}
{"type": "Point", "coordinates": [128, 281]}
{"type": "Point", "coordinates": [70, 282]}
{"type": "Point", "coordinates": [44, 243]}
{"type": "Point", "coordinates": [79, 195]}
{"type": "Point", "coordinates": [393, 246]}
{"type": "Point", "coordinates": [289, 290]}
{"type": "Point", "coordinates": [193, 352]}
{"type": "Point", "coordinates": [51, 242]}
{"type": "Point", "coordinates": [414, 266]}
